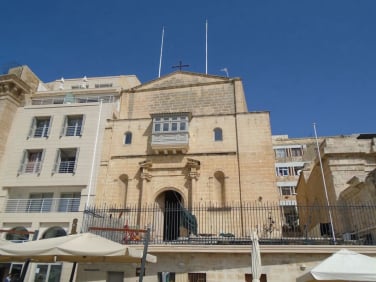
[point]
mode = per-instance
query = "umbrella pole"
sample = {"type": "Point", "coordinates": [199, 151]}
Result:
{"type": "Point", "coordinates": [24, 270]}
{"type": "Point", "coordinates": [73, 271]}
{"type": "Point", "coordinates": [143, 261]}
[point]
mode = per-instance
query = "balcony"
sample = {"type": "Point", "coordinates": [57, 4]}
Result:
{"type": "Point", "coordinates": [232, 224]}
{"type": "Point", "coordinates": [62, 100]}
{"type": "Point", "coordinates": [67, 167]}
{"type": "Point", "coordinates": [170, 142]}
{"type": "Point", "coordinates": [42, 205]}
{"type": "Point", "coordinates": [31, 167]}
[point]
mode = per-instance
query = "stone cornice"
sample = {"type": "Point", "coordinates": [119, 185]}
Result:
{"type": "Point", "coordinates": [11, 85]}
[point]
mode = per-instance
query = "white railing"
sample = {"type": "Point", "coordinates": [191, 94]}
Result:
{"type": "Point", "coordinates": [66, 166]}
{"type": "Point", "coordinates": [62, 100]}
{"type": "Point", "coordinates": [31, 167]}
{"type": "Point", "coordinates": [42, 205]}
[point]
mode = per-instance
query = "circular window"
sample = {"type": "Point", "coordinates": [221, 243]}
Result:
{"type": "Point", "coordinates": [53, 232]}
{"type": "Point", "coordinates": [18, 233]}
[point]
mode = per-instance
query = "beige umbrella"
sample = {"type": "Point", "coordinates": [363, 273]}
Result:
{"type": "Point", "coordinates": [85, 247]}
{"type": "Point", "coordinates": [79, 248]}
{"type": "Point", "coordinates": [256, 258]}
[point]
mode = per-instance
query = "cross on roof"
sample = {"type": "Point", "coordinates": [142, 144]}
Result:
{"type": "Point", "coordinates": [180, 66]}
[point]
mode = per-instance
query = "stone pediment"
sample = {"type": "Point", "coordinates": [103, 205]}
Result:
{"type": "Point", "coordinates": [180, 79]}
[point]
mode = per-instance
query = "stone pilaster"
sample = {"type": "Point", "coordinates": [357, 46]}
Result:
{"type": "Point", "coordinates": [193, 174]}
{"type": "Point", "coordinates": [145, 181]}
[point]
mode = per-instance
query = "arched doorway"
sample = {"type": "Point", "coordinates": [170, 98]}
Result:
{"type": "Point", "coordinates": [172, 214]}
{"type": "Point", "coordinates": [177, 220]}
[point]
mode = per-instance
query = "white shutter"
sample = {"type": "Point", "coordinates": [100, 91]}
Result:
{"type": "Point", "coordinates": [32, 127]}
{"type": "Point", "coordinates": [76, 162]}
{"type": "Point", "coordinates": [55, 168]}
{"type": "Point", "coordinates": [21, 168]}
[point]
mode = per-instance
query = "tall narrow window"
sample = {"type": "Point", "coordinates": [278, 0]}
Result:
{"type": "Point", "coordinates": [73, 125]}
{"type": "Point", "coordinates": [128, 138]}
{"type": "Point", "coordinates": [66, 160]}
{"type": "Point", "coordinates": [218, 134]}
{"type": "Point", "coordinates": [32, 161]}
{"type": "Point", "coordinates": [40, 127]}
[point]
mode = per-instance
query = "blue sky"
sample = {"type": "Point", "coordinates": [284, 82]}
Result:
{"type": "Point", "coordinates": [304, 61]}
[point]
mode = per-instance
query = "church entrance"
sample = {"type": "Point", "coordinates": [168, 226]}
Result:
{"type": "Point", "coordinates": [172, 214]}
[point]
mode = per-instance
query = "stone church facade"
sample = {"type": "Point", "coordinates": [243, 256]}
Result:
{"type": "Point", "coordinates": [189, 138]}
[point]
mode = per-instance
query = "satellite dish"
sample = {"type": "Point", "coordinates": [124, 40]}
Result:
{"type": "Point", "coordinates": [85, 78]}
{"type": "Point", "coordinates": [62, 80]}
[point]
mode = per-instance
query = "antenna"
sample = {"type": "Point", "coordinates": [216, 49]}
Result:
{"type": "Point", "coordinates": [206, 48]}
{"type": "Point", "coordinates": [160, 57]}
{"type": "Point", "coordinates": [225, 70]}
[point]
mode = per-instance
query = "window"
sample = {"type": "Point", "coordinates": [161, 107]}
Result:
{"type": "Point", "coordinates": [40, 127]}
{"type": "Point", "coordinates": [48, 272]}
{"type": "Point", "coordinates": [66, 160]}
{"type": "Point", "coordinates": [282, 171]}
{"type": "Point", "coordinates": [196, 277]}
{"type": "Point", "coordinates": [103, 85]}
{"type": "Point", "coordinates": [73, 125]}
{"type": "Point", "coordinates": [296, 152]}
{"type": "Point", "coordinates": [178, 123]}
{"type": "Point", "coordinates": [218, 134]}
{"type": "Point", "coordinates": [54, 232]}
{"type": "Point", "coordinates": [286, 190]}
{"type": "Point", "coordinates": [40, 202]}
{"type": "Point", "coordinates": [166, 276]}
{"type": "Point", "coordinates": [18, 234]}
{"type": "Point", "coordinates": [69, 202]}
{"type": "Point", "coordinates": [128, 138]}
{"type": "Point", "coordinates": [31, 161]}
{"type": "Point", "coordinates": [280, 153]}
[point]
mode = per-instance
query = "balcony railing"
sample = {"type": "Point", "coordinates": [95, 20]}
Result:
{"type": "Point", "coordinates": [62, 100]}
{"type": "Point", "coordinates": [233, 224]}
{"type": "Point", "coordinates": [73, 130]}
{"type": "Point", "coordinates": [67, 166]}
{"type": "Point", "coordinates": [42, 205]}
{"type": "Point", "coordinates": [31, 167]}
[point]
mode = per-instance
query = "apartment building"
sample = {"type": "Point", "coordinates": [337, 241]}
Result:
{"type": "Point", "coordinates": [51, 156]}
{"type": "Point", "coordinates": [292, 155]}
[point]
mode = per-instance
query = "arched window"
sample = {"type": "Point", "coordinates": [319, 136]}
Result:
{"type": "Point", "coordinates": [218, 134]}
{"type": "Point", "coordinates": [128, 138]}
{"type": "Point", "coordinates": [123, 185]}
{"type": "Point", "coordinates": [53, 232]}
{"type": "Point", "coordinates": [18, 234]}
{"type": "Point", "coordinates": [219, 187]}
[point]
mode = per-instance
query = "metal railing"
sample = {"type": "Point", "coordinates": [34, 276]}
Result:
{"type": "Point", "coordinates": [73, 130]}
{"type": "Point", "coordinates": [67, 166]}
{"type": "Point", "coordinates": [233, 224]}
{"type": "Point", "coordinates": [62, 100]}
{"type": "Point", "coordinates": [42, 205]}
{"type": "Point", "coordinates": [31, 167]}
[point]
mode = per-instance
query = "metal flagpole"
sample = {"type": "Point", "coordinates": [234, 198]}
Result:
{"type": "Point", "coordinates": [206, 48]}
{"type": "Point", "coordinates": [324, 182]}
{"type": "Point", "coordinates": [160, 57]}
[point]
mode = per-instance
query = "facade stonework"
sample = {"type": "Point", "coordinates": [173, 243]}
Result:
{"type": "Point", "coordinates": [239, 167]}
